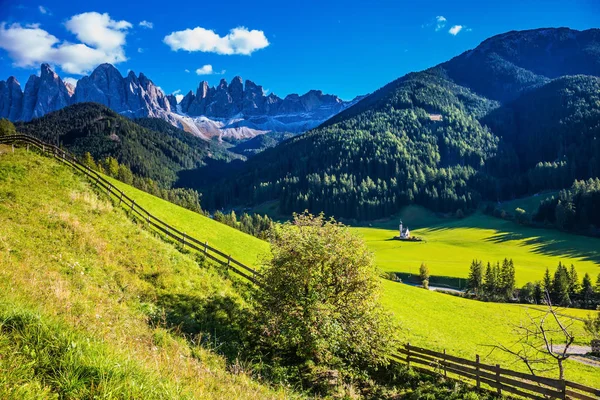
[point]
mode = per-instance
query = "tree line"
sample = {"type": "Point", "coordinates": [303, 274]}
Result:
{"type": "Point", "coordinates": [497, 283]}
{"type": "Point", "coordinates": [255, 224]}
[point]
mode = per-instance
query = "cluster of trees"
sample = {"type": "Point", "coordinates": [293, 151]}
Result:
{"type": "Point", "coordinates": [575, 209]}
{"type": "Point", "coordinates": [6, 127]}
{"type": "Point", "coordinates": [564, 288]}
{"type": "Point", "coordinates": [492, 283]}
{"type": "Point", "coordinates": [255, 224]}
{"type": "Point", "coordinates": [187, 198]}
{"type": "Point", "coordinates": [497, 283]}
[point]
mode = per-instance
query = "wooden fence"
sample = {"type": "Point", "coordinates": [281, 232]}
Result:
{"type": "Point", "coordinates": [427, 361]}
{"type": "Point", "coordinates": [136, 210]}
{"type": "Point", "coordinates": [501, 380]}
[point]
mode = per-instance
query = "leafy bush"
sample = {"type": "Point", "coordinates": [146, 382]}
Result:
{"type": "Point", "coordinates": [318, 304]}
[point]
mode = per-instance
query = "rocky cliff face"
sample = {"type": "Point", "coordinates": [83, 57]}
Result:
{"type": "Point", "coordinates": [11, 99]}
{"type": "Point", "coordinates": [133, 96]}
{"type": "Point", "coordinates": [237, 109]}
{"type": "Point", "coordinates": [235, 99]}
{"type": "Point", "coordinates": [43, 94]}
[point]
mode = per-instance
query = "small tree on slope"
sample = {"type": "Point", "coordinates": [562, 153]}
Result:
{"type": "Point", "coordinates": [319, 299]}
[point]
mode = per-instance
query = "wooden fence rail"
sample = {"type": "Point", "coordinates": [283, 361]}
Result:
{"type": "Point", "coordinates": [136, 210]}
{"type": "Point", "coordinates": [499, 379]}
{"type": "Point", "coordinates": [427, 361]}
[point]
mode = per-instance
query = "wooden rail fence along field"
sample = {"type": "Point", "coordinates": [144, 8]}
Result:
{"type": "Point", "coordinates": [483, 376]}
{"type": "Point", "coordinates": [142, 214]}
{"type": "Point", "coordinates": [501, 380]}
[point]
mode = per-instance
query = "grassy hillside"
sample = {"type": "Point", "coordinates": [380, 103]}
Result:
{"type": "Point", "coordinates": [530, 204]}
{"type": "Point", "coordinates": [89, 300]}
{"type": "Point", "coordinates": [245, 248]}
{"type": "Point", "coordinates": [450, 245]}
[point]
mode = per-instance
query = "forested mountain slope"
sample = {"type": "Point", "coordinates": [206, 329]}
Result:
{"type": "Point", "coordinates": [438, 139]}
{"type": "Point", "coordinates": [150, 148]}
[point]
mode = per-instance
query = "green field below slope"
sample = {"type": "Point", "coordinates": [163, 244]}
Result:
{"type": "Point", "coordinates": [91, 304]}
{"type": "Point", "coordinates": [449, 246]}
{"type": "Point", "coordinates": [438, 321]}
{"type": "Point", "coordinates": [467, 327]}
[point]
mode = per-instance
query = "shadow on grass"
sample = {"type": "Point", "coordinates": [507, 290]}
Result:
{"type": "Point", "coordinates": [217, 322]}
{"type": "Point", "coordinates": [541, 241]}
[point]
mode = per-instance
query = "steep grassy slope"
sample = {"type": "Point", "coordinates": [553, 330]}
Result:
{"type": "Point", "coordinates": [244, 248]}
{"type": "Point", "coordinates": [89, 301]}
{"type": "Point", "coordinates": [450, 245]}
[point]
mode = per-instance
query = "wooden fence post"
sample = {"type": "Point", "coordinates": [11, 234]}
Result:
{"type": "Point", "coordinates": [564, 389]}
{"type": "Point", "coordinates": [13, 147]}
{"type": "Point", "coordinates": [132, 204]}
{"type": "Point", "coordinates": [229, 261]}
{"type": "Point", "coordinates": [121, 198]}
{"type": "Point", "coordinates": [444, 361]}
{"type": "Point", "coordinates": [408, 354]}
{"type": "Point", "coordinates": [477, 376]}
{"type": "Point", "coordinates": [205, 247]}
{"type": "Point", "coordinates": [183, 239]}
{"type": "Point", "coordinates": [499, 385]}
{"type": "Point", "coordinates": [28, 147]}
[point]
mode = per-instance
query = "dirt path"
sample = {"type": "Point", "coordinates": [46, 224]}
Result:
{"type": "Point", "coordinates": [578, 353]}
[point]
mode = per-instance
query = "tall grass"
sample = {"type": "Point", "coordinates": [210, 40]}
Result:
{"type": "Point", "coordinates": [94, 306]}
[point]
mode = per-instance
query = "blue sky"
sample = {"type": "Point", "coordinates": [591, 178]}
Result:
{"type": "Point", "coordinates": [346, 48]}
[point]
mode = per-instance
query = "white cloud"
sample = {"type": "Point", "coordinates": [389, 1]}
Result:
{"type": "Point", "coordinates": [239, 40]}
{"type": "Point", "coordinates": [205, 70]}
{"type": "Point", "coordinates": [98, 30]}
{"type": "Point", "coordinates": [440, 22]}
{"type": "Point", "coordinates": [102, 40]}
{"type": "Point", "coordinates": [208, 70]}
{"type": "Point", "coordinates": [44, 10]}
{"type": "Point", "coordinates": [70, 80]}
{"type": "Point", "coordinates": [186, 70]}
{"type": "Point", "coordinates": [178, 97]}
{"type": "Point", "coordinates": [455, 30]}
{"type": "Point", "coordinates": [146, 24]}
{"type": "Point", "coordinates": [140, 50]}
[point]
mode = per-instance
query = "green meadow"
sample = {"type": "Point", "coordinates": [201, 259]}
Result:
{"type": "Point", "coordinates": [433, 320]}
{"type": "Point", "coordinates": [467, 327]}
{"type": "Point", "coordinates": [449, 246]}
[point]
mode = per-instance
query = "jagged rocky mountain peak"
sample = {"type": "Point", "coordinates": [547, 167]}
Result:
{"type": "Point", "coordinates": [238, 108]}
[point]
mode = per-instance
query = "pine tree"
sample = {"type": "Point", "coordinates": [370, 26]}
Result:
{"type": "Point", "coordinates": [88, 161]}
{"type": "Point", "coordinates": [475, 280]}
{"type": "Point", "coordinates": [506, 287]}
{"type": "Point", "coordinates": [489, 283]}
{"type": "Point", "coordinates": [547, 283]}
{"type": "Point", "coordinates": [573, 281]}
{"type": "Point", "coordinates": [587, 291]}
{"type": "Point", "coordinates": [560, 286]}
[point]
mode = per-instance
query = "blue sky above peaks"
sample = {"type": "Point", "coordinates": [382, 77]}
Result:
{"type": "Point", "coordinates": [346, 48]}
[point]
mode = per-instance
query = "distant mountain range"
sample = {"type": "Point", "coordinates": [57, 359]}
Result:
{"type": "Point", "coordinates": [235, 110]}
